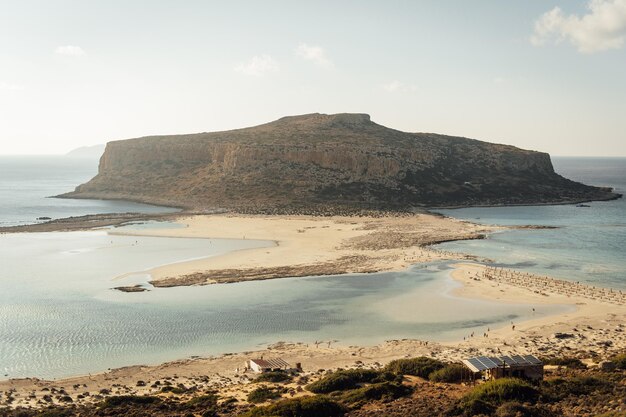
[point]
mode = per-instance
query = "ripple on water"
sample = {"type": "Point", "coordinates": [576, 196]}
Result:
{"type": "Point", "coordinates": [59, 324]}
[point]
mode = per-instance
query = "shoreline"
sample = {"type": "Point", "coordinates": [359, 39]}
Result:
{"type": "Point", "coordinates": [310, 246]}
{"type": "Point", "coordinates": [615, 196]}
{"type": "Point", "coordinates": [608, 194]}
{"type": "Point", "coordinates": [590, 331]}
{"type": "Point", "coordinates": [594, 330]}
{"type": "Point", "coordinates": [89, 221]}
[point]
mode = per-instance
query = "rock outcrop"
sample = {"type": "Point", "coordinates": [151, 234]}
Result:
{"type": "Point", "coordinates": [324, 162]}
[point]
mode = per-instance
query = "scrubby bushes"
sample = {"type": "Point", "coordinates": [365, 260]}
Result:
{"type": "Point", "coordinates": [559, 388]}
{"type": "Point", "coordinates": [500, 396]}
{"type": "Point", "coordinates": [502, 390]}
{"type": "Point", "coordinates": [174, 390]}
{"type": "Point", "coordinates": [263, 394]}
{"type": "Point", "coordinates": [207, 400]}
{"type": "Point", "coordinates": [572, 363]}
{"type": "Point", "coordinates": [421, 366]}
{"type": "Point", "coordinates": [474, 407]}
{"type": "Point", "coordinates": [274, 376]}
{"type": "Point", "coordinates": [54, 412]}
{"type": "Point", "coordinates": [206, 403]}
{"type": "Point", "coordinates": [300, 407]}
{"type": "Point", "coordinates": [516, 409]}
{"type": "Point", "coordinates": [349, 379]}
{"type": "Point", "coordinates": [129, 399]}
{"type": "Point", "coordinates": [385, 391]}
{"type": "Point", "coordinates": [449, 373]}
{"type": "Point", "coordinates": [620, 361]}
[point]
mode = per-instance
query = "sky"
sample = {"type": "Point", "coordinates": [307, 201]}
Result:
{"type": "Point", "coordinates": [546, 75]}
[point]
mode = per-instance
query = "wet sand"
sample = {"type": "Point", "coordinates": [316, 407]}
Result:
{"type": "Point", "coordinates": [310, 246]}
{"type": "Point", "coordinates": [595, 329]}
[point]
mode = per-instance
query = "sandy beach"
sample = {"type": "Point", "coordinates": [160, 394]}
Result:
{"type": "Point", "coordinates": [310, 246]}
{"type": "Point", "coordinates": [592, 329]}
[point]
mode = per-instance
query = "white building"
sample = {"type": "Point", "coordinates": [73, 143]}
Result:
{"type": "Point", "coordinates": [267, 365]}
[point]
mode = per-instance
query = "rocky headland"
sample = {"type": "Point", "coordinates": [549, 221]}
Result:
{"type": "Point", "coordinates": [326, 164]}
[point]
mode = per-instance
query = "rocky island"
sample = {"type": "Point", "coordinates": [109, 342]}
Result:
{"type": "Point", "coordinates": [318, 163]}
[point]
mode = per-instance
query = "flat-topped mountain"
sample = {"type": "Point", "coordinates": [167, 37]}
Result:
{"type": "Point", "coordinates": [325, 162]}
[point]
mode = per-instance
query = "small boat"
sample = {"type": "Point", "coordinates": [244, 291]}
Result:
{"type": "Point", "coordinates": [582, 205]}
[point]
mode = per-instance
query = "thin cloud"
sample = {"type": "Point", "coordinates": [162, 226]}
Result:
{"type": "Point", "coordinates": [258, 66]}
{"type": "Point", "coordinates": [314, 53]}
{"type": "Point", "coordinates": [70, 50]}
{"type": "Point", "coordinates": [396, 86]}
{"type": "Point", "coordinates": [601, 29]}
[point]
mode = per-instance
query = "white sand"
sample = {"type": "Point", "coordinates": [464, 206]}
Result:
{"type": "Point", "coordinates": [596, 329]}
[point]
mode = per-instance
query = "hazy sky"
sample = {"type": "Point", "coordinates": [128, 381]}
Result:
{"type": "Point", "coordinates": [547, 75]}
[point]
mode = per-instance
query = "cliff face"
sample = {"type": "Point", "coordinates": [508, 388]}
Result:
{"type": "Point", "coordinates": [326, 161]}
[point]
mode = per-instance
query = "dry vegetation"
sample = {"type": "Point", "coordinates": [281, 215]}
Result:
{"type": "Point", "coordinates": [402, 388]}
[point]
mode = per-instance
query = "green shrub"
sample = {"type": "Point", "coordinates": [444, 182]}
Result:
{"type": "Point", "coordinates": [174, 390]}
{"type": "Point", "coordinates": [348, 379]}
{"type": "Point", "coordinates": [318, 406]}
{"type": "Point", "coordinates": [450, 373]}
{"type": "Point", "coordinates": [386, 376]}
{"type": "Point", "coordinates": [421, 366]}
{"type": "Point", "coordinates": [203, 401]}
{"type": "Point", "coordinates": [572, 363]}
{"type": "Point", "coordinates": [502, 390]}
{"type": "Point", "coordinates": [516, 409]}
{"type": "Point", "coordinates": [274, 376]}
{"type": "Point", "coordinates": [620, 361]}
{"type": "Point", "coordinates": [129, 399]}
{"type": "Point", "coordinates": [54, 412]}
{"type": "Point", "coordinates": [263, 394]}
{"type": "Point", "coordinates": [230, 400]}
{"type": "Point", "coordinates": [474, 407]}
{"type": "Point", "coordinates": [559, 388]}
{"type": "Point", "coordinates": [385, 391]}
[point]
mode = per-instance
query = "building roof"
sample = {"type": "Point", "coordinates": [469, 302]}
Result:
{"type": "Point", "coordinates": [482, 363]}
{"type": "Point", "coordinates": [271, 363]}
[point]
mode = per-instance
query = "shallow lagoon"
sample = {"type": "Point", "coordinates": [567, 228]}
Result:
{"type": "Point", "coordinates": [59, 316]}
{"type": "Point", "coordinates": [588, 244]}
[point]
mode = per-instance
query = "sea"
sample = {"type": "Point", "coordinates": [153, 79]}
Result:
{"type": "Point", "coordinates": [59, 315]}
{"type": "Point", "coordinates": [588, 243]}
{"type": "Point", "coordinates": [27, 184]}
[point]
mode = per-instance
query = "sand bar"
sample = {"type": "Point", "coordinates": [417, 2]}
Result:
{"type": "Point", "coordinates": [310, 246]}
{"type": "Point", "coordinates": [595, 329]}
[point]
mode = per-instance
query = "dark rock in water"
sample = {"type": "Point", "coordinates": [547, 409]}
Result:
{"type": "Point", "coordinates": [44, 218]}
{"type": "Point", "coordinates": [327, 164]}
{"type": "Point", "coordinates": [133, 288]}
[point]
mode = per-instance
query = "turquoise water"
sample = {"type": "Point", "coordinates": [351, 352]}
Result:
{"type": "Point", "coordinates": [60, 317]}
{"type": "Point", "coordinates": [588, 245]}
{"type": "Point", "coordinates": [27, 182]}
